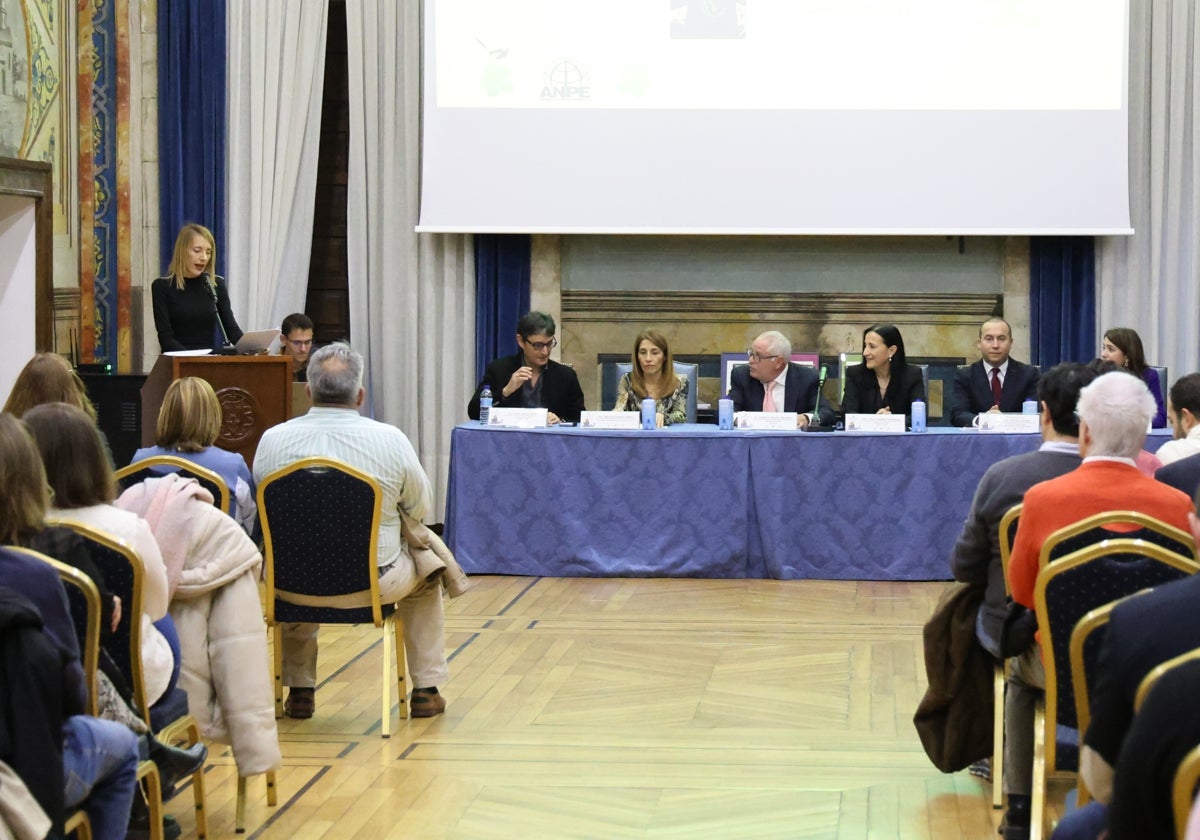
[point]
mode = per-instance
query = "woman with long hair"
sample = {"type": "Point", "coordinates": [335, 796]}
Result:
{"type": "Point", "coordinates": [653, 375]}
{"type": "Point", "coordinates": [885, 383]}
{"type": "Point", "coordinates": [1123, 347]}
{"type": "Point", "coordinates": [191, 302]}
{"type": "Point", "coordinates": [47, 378]}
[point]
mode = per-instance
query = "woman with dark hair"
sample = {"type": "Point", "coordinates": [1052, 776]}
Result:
{"type": "Point", "coordinates": [81, 480]}
{"type": "Point", "coordinates": [885, 383]}
{"type": "Point", "coordinates": [654, 376]}
{"type": "Point", "coordinates": [1123, 347]}
{"type": "Point", "coordinates": [191, 303]}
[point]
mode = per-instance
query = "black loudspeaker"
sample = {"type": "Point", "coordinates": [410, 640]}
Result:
{"type": "Point", "coordinates": [118, 401]}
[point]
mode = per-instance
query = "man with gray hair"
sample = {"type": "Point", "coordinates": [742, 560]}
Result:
{"type": "Point", "coordinates": [1114, 413]}
{"type": "Point", "coordinates": [772, 382]}
{"type": "Point", "coordinates": [333, 428]}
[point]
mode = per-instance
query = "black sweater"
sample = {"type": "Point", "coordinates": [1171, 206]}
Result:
{"type": "Point", "coordinates": [185, 319]}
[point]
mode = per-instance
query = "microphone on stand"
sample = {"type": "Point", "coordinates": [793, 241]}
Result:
{"type": "Point", "coordinates": [226, 348]}
{"type": "Point", "coordinates": [814, 425]}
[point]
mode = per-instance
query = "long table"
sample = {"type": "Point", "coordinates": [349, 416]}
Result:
{"type": "Point", "coordinates": [693, 501]}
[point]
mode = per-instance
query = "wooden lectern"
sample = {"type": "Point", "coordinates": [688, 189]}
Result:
{"type": "Point", "coordinates": [255, 393]}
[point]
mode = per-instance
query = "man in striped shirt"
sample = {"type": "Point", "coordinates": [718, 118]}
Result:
{"type": "Point", "coordinates": [333, 428]}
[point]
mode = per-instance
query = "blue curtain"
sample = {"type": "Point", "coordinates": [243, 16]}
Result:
{"type": "Point", "coordinates": [501, 294]}
{"type": "Point", "coordinates": [1062, 299]}
{"type": "Point", "coordinates": [191, 120]}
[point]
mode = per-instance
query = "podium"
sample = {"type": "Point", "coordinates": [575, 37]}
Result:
{"type": "Point", "coordinates": [255, 393]}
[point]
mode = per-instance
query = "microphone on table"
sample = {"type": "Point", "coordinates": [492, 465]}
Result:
{"type": "Point", "coordinates": [814, 424]}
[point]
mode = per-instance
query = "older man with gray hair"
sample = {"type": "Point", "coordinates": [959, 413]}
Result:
{"type": "Point", "coordinates": [1114, 413]}
{"type": "Point", "coordinates": [772, 382]}
{"type": "Point", "coordinates": [333, 428]}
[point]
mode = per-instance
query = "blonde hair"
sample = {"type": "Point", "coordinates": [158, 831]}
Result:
{"type": "Point", "coordinates": [23, 487]}
{"type": "Point", "coordinates": [48, 378]}
{"type": "Point", "coordinates": [179, 258]}
{"type": "Point", "coordinates": [189, 419]}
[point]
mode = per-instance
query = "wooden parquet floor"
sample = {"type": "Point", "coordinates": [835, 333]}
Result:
{"type": "Point", "coordinates": [628, 708]}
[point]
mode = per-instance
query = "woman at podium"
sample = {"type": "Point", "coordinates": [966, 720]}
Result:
{"type": "Point", "coordinates": [191, 303]}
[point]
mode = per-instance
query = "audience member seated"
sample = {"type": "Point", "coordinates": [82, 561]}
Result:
{"type": "Point", "coordinates": [65, 758]}
{"type": "Point", "coordinates": [1183, 407]}
{"type": "Point", "coordinates": [1183, 475]}
{"type": "Point", "coordinates": [1142, 633]}
{"type": "Point", "coordinates": [189, 422]}
{"type": "Point", "coordinates": [1114, 413]}
{"type": "Point", "coordinates": [81, 480]}
{"type": "Point", "coordinates": [296, 340]}
{"type": "Point", "coordinates": [653, 375]}
{"type": "Point", "coordinates": [23, 500]}
{"type": "Point", "coordinates": [48, 378]}
{"type": "Point", "coordinates": [885, 383]}
{"type": "Point", "coordinates": [771, 382]}
{"type": "Point", "coordinates": [530, 378]}
{"type": "Point", "coordinates": [997, 382]}
{"type": "Point", "coordinates": [333, 428]}
{"type": "Point", "coordinates": [1123, 347]}
{"type": "Point", "coordinates": [976, 555]}
{"type": "Point", "coordinates": [213, 569]}
{"type": "Point", "coordinates": [1148, 463]}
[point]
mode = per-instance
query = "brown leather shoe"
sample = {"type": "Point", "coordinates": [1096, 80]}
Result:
{"type": "Point", "coordinates": [300, 703]}
{"type": "Point", "coordinates": [426, 702]}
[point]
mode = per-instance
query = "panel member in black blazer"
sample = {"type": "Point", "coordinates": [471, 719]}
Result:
{"type": "Point", "coordinates": [885, 383]}
{"type": "Point", "coordinates": [972, 393]}
{"type": "Point", "coordinates": [530, 378]}
{"type": "Point", "coordinates": [768, 359]}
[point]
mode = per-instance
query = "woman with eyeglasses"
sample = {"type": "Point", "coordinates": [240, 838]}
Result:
{"type": "Point", "coordinates": [654, 376]}
{"type": "Point", "coordinates": [530, 378]}
{"type": "Point", "coordinates": [885, 383]}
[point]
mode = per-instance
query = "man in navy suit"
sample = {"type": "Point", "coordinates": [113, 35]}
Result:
{"type": "Point", "coordinates": [793, 387]}
{"type": "Point", "coordinates": [975, 388]}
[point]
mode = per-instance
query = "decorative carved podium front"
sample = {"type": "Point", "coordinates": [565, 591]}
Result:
{"type": "Point", "coordinates": [255, 393]}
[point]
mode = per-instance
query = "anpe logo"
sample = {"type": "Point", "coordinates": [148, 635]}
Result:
{"type": "Point", "coordinates": [564, 79]}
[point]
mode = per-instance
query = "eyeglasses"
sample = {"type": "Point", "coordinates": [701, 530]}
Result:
{"type": "Point", "coordinates": [542, 345]}
{"type": "Point", "coordinates": [759, 357]}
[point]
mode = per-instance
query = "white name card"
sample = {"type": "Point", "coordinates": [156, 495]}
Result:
{"type": "Point", "coordinates": [610, 420]}
{"type": "Point", "coordinates": [775, 421]}
{"type": "Point", "coordinates": [874, 422]}
{"type": "Point", "coordinates": [518, 418]}
{"type": "Point", "coordinates": [1006, 423]}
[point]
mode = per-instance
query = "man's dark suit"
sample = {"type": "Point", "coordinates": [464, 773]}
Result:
{"type": "Point", "coordinates": [972, 393]}
{"type": "Point", "coordinates": [1183, 474]}
{"type": "Point", "coordinates": [799, 392]}
{"type": "Point", "coordinates": [561, 393]}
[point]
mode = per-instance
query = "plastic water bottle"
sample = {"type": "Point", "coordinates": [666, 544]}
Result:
{"type": "Point", "coordinates": [725, 414]}
{"type": "Point", "coordinates": [485, 404]}
{"type": "Point", "coordinates": [1029, 407]}
{"type": "Point", "coordinates": [918, 415]}
{"type": "Point", "coordinates": [648, 420]}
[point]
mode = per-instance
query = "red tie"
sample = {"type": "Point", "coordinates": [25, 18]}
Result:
{"type": "Point", "coordinates": [995, 386]}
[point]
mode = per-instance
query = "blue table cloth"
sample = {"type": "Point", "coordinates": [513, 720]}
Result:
{"type": "Point", "coordinates": [693, 501]}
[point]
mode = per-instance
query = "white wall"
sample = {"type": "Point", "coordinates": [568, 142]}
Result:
{"type": "Point", "coordinates": [18, 284]}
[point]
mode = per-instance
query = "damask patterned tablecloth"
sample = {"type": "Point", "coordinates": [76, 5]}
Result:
{"type": "Point", "coordinates": [693, 501]}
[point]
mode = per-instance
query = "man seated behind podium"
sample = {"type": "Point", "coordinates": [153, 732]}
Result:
{"type": "Point", "coordinates": [997, 382]}
{"type": "Point", "coordinates": [770, 382]}
{"type": "Point", "coordinates": [333, 428]}
{"type": "Point", "coordinates": [295, 340]}
{"type": "Point", "coordinates": [530, 378]}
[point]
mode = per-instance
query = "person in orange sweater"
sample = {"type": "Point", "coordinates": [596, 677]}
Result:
{"type": "Point", "coordinates": [1114, 413]}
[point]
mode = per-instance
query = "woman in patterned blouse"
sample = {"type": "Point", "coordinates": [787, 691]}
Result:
{"type": "Point", "coordinates": [653, 375]}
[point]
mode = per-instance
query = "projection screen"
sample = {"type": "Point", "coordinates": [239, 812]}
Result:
{"type": "Point", "coordinates": [980, 117]}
